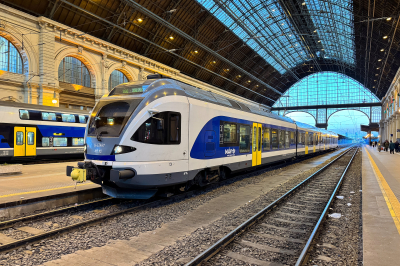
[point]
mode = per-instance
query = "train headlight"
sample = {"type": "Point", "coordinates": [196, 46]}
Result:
{"type": "Point", "coordinates": [84, 148]}
{"type": "Point", "coordinates": [119, 149]}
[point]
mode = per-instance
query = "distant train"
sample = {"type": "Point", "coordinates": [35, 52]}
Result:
{"type": "Point", "coordinates": [162, 134]}
{"type": "Point", "coordinates": [30, 131]}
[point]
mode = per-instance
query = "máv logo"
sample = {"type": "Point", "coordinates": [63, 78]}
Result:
{"type": "Point", "coordinates": [230, 152]}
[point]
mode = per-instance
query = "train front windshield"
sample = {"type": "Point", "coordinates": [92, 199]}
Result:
{"type": "Point", "coordinates": [109, 117]}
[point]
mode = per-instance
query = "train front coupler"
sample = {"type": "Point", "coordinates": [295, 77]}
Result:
{"type": "Point", "coordinates": [85, 171]}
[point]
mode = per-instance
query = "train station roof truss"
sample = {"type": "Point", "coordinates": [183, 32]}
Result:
{"type": "Point", "coordinates": [256, 49]}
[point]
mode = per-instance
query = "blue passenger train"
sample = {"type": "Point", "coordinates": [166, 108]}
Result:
{"type": "Point", "coordinates": [161, 134]}
{"type": "Point", "coordinates": [30, 131]}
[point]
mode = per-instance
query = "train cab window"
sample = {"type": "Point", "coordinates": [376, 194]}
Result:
{"type": "Point", "coordinates": [174, 125]}
{"type": "Point", "coordinates": [24, 114]}
{"type": "Point", "coordinates": [292, 138]}
{"type": "Point", "coordinates": [77, 141]}
{"type": "Point", "coordinates": [20, 138]}
{"type": "Point", "coordinates": [68, 118]}
{"type": "Point", "coordinates": [60, 142]}
{"type": "Point", "coordinates": [287, 140]}
{"type": "Point", "coordinates": [230, 130]}
{"type": "Point", "coordinates": [31, 138]}
{"type": "Point", "coordinates": [244, 138]}
{"type": "Point", "coordinates": [82, 119]}
{"type": "Point", "coordinates": [45, 142]}
{"type": "Point", "coordinates": [162, 128]}
{"type": "Point", "coordinates": [266, 139]}
{"type": "Point", "coordinates": [281, 139]}
{"type": "Point", "coordinates": [274, 139]}
{"type": "Point", "coordinates": [49, 116]}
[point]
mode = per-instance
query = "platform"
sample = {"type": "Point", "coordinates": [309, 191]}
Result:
{"type": "Point", "coordinates": [39, 181]}
{"type": "Point", "coordinates": [381, 207]}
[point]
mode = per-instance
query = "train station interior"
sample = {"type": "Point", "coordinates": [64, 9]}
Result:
{"type": "Point", "coordinates": [199, 132]}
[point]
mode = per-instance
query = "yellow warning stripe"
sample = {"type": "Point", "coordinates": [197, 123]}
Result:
{"type": "Point", "coordinates": [391, 199]}
{"type": "Point", "coordinates": [44, 190]}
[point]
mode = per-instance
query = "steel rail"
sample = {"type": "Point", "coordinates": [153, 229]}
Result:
{"type": "Point", "coordinates": [304, 253]}
{"type": "Point", "coordinates": [38, 216]}
{"type": "Point", "coordinates": [214, 249]}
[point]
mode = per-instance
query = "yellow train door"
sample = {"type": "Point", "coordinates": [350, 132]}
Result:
{"type": "Point", "coordinates": [30, 141]}
{"type": "Point", "coordinates": [24, 141]}
{"type": "Point", "coordinates": [19, 141]}
{"type": "Point", "coordinates": [306, 144]}
{"type": "Point", "coordinates": [256, 148]}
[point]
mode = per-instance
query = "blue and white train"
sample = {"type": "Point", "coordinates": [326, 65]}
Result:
{"type": "Point", "coordinates": [160, 133]}
{"type": "Point", "coordinates": [30, 131]}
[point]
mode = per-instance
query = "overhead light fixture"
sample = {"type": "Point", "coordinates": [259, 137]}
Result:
{"type": "Point", "coordinates": [196, 51]}
{"type": "Point", "coordinates": [140, 20]}
{"type": "Point", "coordinates": [256, 85]}
{"type": "Point", "coordinates": [389, 18]}
{"type": "Point", "coordinates": [214, 62]}
{"type": "Point", "coordinates": [319, 40]}
{"type": "Point", "coordinates": [379, 60]}
{"type": "Point", "coordinates": [322, 49]}
{"type": "Point", "coordinates": [304, 3]}
{"type": "Point", "coordinates": [377, 68]}
{"type": "Point", "coordinates": [376, 74]}
{"type": "Point", "coordinates": [227, 69]}
{"type": "Point", "coordinates": [315, 31]}
{"type": "Point", "coordinates": [239, 76]}
{"type": "Point", "coordinates": [375, 80]}
{"type": "Point", "coordinates": [249, 81]}
{"type": "Point", "coordinates": [273, 10]}
{"type": "Point", "coordinates": [373, 87]}
{"type": "Point", "coordinates": [171, 37]}
{"type": "Point", "coordinates": [385, 37]}
{"type": "Point", "coordinates": [283, 24]}
{"type": "Point", "coordinates": [382, 50]}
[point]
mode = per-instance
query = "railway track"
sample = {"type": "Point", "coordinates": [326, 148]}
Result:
{"type": "Point", "coordinates": [33, 228]}
{"type": "Point", "coordinates": [283, 232]}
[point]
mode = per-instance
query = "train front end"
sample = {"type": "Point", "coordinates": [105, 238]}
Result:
{"type": "Point", "coordinates": [134, 143]}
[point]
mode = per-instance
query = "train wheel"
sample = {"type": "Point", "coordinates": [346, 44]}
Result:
{"type": "Point", "coordinates": [223, 173]}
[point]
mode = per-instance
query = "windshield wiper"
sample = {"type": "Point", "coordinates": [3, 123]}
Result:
{"type": "Point", "coordinates": [98, 135]}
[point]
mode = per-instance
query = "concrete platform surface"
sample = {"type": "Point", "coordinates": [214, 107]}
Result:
{"type": "Point", "coordinates": [141, 247]}
{"type": "Point", "coordinates": [381, 207]}
{"type": "Point", "coordinates": [39, 180]}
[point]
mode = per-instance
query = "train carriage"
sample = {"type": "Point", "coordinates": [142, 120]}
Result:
{"type": "Point", "coordinates": [29, 131]}
{"type": "Point", "coordinates": [147, 135]}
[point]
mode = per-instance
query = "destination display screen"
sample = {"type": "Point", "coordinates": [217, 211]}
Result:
{"type": "Point", "coordinates": [129, 90]}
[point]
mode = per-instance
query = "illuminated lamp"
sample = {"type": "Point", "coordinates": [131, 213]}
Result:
{"type": "Point", "coordinates": [77, 87]}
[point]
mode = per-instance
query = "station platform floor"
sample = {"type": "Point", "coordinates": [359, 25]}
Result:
{"type": "Point", "coordinates": [37, 181]}
{"type": "Point", "coordinates": [381, 207]}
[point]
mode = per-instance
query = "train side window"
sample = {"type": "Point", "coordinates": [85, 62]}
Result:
{"type": "Point", "coordinates": [31, 138]}
{"type": "Point", "coordinates": [20, 138]}
{"type": "Point", "coordinates": [68, 118]}
{"type": "Point", "coordinates": [259, 138]}
{"type": "Point", "coordinates": [49, 116]}
{"type": "Point", "coordinates": [266, 139]}
{"type": "Point", "coordinates": [274, 139]}
{"type": "Point", "coordinates": [287, 140]}
{"type": "Point", "coordinates": [45, 142]}
{"type": "Point", "coordinates": [60, 142]}
{"type": "Point", "coordinates": [281, 139]}
{"type": "Point", "coordinates": [82, 119]}
{"type": "Point", "coordinates": [174, 128]}
{"type": "Point", "coordinates": [24, 114]}
{"type": "Point", "coordinates": [230, 136]}
{"type": "Point", "coordinates": [244, 138]}
{"type": "Point", "coordinates": [77, 141]}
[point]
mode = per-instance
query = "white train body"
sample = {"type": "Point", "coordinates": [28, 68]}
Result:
{"type": "Point", "coordinates": [145, 136]}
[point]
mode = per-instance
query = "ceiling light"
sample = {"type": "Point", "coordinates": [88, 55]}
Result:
{"type": "Point", "coordinates": [227, 69]}
{"type": "Point", "coordinates": [304, 3]}
{"type": "Point", "coordinates": [171, 37]}
{"type": "Point", "coordinates": [389, 18]}
{"type": "Point", "coordinates": [377, 68]}
{"type": "Point", "coordinates": [375, 80]}
{"type": "Point", "coordinates": [315, 31]}
{"type": "Point", "coordinates": [382, 50]}
{"type": "Point", "coordinates": [379, 60]}
{"type": "Point", "coordinates": [290, 35]}
{"type": "Point", "coordinates": [196, 51]}
{"type": "Point", "coordinates": [385, 37]}
{"type": "Point", "coordinates": [311, 67]}
{"type": "Point", "coordinates": [373, 87]}
{"type": "Point", "coordinates": [273, 10]}
{"type": "Point", "coordinates": [140, 20]}
{"type": "Point", "coordinates": [319, 40]}
{"type": "Point", "coordinates": [256, 85]}
{"type": "Point", "coordinates": [283, 24]}
{"type": "Point", "coordinates": [322, 49]}
{"type": "Point", "coordinates": [239, 76]}
{"type": "Point", "coordinates": [214, 62]}
{"type": "Point", "coordinates": [249, 81]}
{"type": "Point", "coordinates": [376, 74]}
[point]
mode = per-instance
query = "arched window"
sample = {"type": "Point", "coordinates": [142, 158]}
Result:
{"type": "Point", "coordinates": [116, 78]}
{"type": "Point", "coordinates": [10, 59]}
{"type": "Point", "coordinates": [72, 70]}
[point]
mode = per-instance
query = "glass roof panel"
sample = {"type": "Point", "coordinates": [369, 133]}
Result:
{"type": "Point", "coordinates": [325, 88]}
{"type": "Point", "coordinates": [263, 25]}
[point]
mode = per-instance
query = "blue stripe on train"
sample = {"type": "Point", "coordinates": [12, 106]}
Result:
{"type": "Point", "coordinates": [100, 157]}
{"type": "Point", "coordinates": [207, 144]}
{"type": "Point", "coordinates": [3, 145]}
{"type": "Point", "coordinates": [50, 131]}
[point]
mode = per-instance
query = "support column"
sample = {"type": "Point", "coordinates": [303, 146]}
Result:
{"type": "Point", "coordinates": [381, 130]}
{"type": "Point", "coordinates": [46, 62]}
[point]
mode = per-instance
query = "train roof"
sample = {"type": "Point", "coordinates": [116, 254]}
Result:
{"type": "Point", "coordinates": [43, 107]}
{"type": "Point", "coordinates": [203, 95]}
